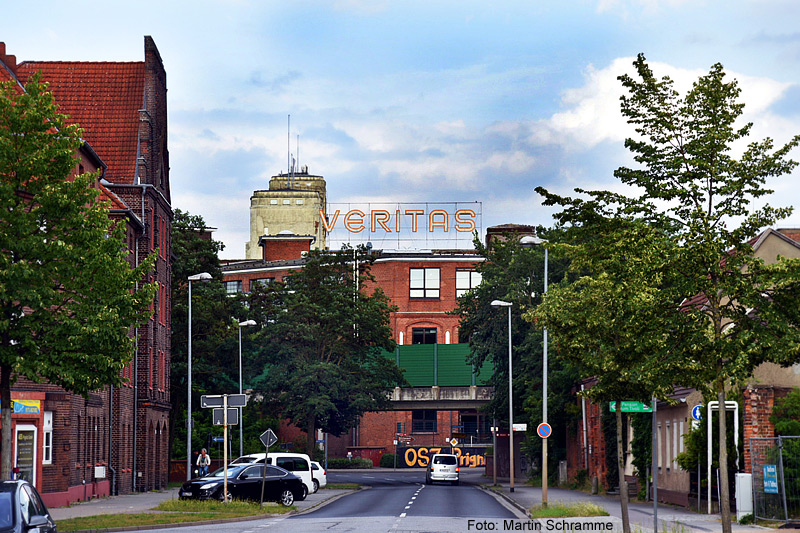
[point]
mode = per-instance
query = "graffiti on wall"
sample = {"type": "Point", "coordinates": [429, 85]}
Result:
{"type": "Point", "coordinates": [420, 456]}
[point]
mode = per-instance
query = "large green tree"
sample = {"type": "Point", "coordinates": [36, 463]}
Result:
{"type": "Point", "coordinates": [724, 310]}
{"type": "Point", "coordinates": [214, 332]}
{"type": "Point", "coordinates": [68, 295]}
{"type": "Point", "coordinates": [324, 333]}
{"type": "Point", "coordinates": [513, 273]}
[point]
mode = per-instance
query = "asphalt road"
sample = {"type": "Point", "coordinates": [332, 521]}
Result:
{"type": "Point", "coordinates": [391, 502]}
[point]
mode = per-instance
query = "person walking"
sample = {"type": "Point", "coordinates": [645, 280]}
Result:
{"type": "Point", "coordinates": [203, 462]}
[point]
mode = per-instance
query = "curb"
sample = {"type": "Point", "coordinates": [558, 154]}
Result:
{"type": "Point", "coordinates": [490, 489]}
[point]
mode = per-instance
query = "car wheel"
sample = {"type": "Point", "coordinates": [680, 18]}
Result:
{"type": "Point", "coordinates": [427, 480]}
{"type": "Point", "coordinates": [220, 498]}
{"type": "Point", "coordinates": [455, 482]}
{"type": "Point", "coordinates": [304, 493]}
{"type": "Point", "coordinates": [316, 486]}
{"type": "Point", "coordinates": [287, 498]}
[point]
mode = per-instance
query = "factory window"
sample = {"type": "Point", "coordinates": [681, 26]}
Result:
{"type": "Point", "coordinates": [232, 287]}
{"type": "Point", "coordinates": [424, 283]}
{"type": "Point", "coordinates": [466, 280]}
{"type": "Point", "coordinates": [423, 421]}
{"type": "Point", "coordinates": [423, 336]}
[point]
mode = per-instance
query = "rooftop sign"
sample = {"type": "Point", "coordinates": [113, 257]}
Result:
{"type": "Point", "coordinates": [440, 224]}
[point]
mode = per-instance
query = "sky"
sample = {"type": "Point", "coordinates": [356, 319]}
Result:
{"type": "Point", "coordinates": [410, 101]}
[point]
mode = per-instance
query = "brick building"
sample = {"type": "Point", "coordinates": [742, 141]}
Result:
{"type": "Point", "coordinates": [446, 394]}
{"type": "Point", "coordinates": [116, 439]}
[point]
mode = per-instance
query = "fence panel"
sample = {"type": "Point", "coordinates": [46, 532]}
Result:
{"type": "Point", "coordinates": [776, 477]}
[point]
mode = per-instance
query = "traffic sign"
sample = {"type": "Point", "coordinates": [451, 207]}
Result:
{"type": "Point", "coordinates": [630, 407]}
{"type": "Point", "coordinates": [218, 416]}
{"type": "Point", "coordinates": [217, 438]}
{"type": "Point", "coordinates": [696, 413]}
{"type": "Point", "coordinates": [519, 427]}
{"type": "Point", "coordinates": [268, 438]}
{"type": "Point", "coordinates": [544, 430]}
{"type": "Point", "coordinates": [406, 438]}
{"type": "Point", "coordinates": [218, 400]}
{"type": "Point", "coordinates": [453, 442]}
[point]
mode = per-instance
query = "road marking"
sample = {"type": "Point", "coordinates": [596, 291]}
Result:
{"type": "Point", "coordinates": [402, 515]}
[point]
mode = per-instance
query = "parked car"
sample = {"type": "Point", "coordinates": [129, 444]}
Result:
{"type": "Point", "coordinates": [319, 474]}
{"type": "Point", "coordinates": [298, 464]}
{"type": "Point", "coordinates": [443, 467]}
{"type": "Point", "coordinates": [244, 482]}
{"type": "Point", "coordinates": [22, 509]}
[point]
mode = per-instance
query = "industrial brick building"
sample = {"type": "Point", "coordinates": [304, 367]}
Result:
{"type": "Point", "coordinates": [114, 441]}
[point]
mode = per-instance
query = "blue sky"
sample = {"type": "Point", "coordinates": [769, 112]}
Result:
{"type": "Point", "coordinates": [411, 101]}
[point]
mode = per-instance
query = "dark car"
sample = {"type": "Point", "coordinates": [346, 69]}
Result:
{"type": "Point", "coordinates": [22, 509]}
{"type": "Point", "coordinates": [244, 483]}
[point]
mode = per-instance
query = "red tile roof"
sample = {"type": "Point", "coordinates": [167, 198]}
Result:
{"type": "Point", "coordinates": [104, 98]}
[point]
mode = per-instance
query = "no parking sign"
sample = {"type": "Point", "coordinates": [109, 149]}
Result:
{"type": "Point", "coordinates": [544, 430]}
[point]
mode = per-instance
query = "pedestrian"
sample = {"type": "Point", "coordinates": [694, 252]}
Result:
{"type": "Point", "coordinates": [203, 462]}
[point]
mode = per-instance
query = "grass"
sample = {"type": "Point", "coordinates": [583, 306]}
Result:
{"type": "Point", "coordinates": [174, 512]}
{"type": "Point", "coordinates": [567, 510]}
{"type": "Point", "coordinates": [342, 486]}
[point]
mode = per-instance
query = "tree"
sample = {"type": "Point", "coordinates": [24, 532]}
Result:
{"type": "Point", "coordinates": [606, 319]}
{"type": "Point", "coordinates": [68, 295]}
{"type": "Point", "coordinates": [323, 343]}
{"type": "Point", "coordinates": [214, 333]}
{"type": "Point", "coordinates": [515, 274]}
{"type": "Point", "coordinates": [722, 311]}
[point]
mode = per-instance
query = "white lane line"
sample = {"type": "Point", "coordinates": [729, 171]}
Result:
{"type": "Point", "coordinates": [402, 515]}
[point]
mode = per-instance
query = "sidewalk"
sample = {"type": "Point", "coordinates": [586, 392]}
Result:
{"type": "Point", "coordinates": [670, 518]}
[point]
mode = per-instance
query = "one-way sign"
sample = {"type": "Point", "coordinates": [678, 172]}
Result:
{"type": "Point", "coordinates": [268, 438]}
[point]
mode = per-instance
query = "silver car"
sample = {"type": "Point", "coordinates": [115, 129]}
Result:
{"type": "Point", "coordinates": [443, 467]}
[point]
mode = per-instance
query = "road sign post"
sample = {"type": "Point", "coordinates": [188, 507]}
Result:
{"type": "Point", "coordinates": [267, 438]}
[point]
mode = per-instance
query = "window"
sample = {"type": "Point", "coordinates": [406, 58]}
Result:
{"type": "Point", "coordinates": [466, 280]}
{"type": "Point", "coordinates": [232, 287]}
{"type": "Point", "coordinates": [424, 283]}
{"type": "Point", "coordinates": [261, 281]}
{"type": "Point", "coordinates": [47, 443]}
{"type": "Point", "coordinates": [423, 336]}
{"type": "Point", "coordinates": [423, 421]}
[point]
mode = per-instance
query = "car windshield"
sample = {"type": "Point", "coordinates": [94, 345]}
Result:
{"type": "Point", "coordinates": [445, 460]}
{"type": "Point", "coordinates": [233, 471]}
{"type": "Point", "coordinates": [6, 516]}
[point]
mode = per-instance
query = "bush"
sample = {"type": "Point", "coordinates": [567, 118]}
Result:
{"type": "Point", "coordinates": [387, 460]}
{"type": "Point", "coordinates": [342, 463]}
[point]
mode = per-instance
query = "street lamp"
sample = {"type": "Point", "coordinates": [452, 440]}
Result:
{"type": "Point", "coordinates": [501, 303]}
{"type": "Point", "coordinates": [529, 242]}
{"type": "Point", "coordinates": [246, 323]}
{"type": "Point", "coordinates": [204, 276]}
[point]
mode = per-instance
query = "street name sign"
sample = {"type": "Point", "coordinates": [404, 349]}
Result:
{"type": "Point", "coordinates": [630, 407]}
{"type": "Point", "coordinates": [218, 400]}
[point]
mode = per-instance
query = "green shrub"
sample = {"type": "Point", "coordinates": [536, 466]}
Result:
{"type": "Point", "coordinates": [340, 463]}
{"type": "Point", "coordinates": [387, 460]}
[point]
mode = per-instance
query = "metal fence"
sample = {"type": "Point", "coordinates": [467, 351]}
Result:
{"type": "Point", "coordinates": [776, 477]}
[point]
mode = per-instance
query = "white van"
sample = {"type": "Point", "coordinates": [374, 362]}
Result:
{"type": "Point", "coordinates": [298, 464]}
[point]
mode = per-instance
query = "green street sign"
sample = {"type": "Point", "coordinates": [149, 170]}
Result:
{"type": "Point", "coordinates": [630, 407]}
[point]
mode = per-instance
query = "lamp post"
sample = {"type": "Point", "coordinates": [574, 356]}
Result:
{"type": "Point", "coordinates": [529, 242]}
{"type": "Point", "coordinates": [204, 276]}
{"type": "Point", "coordinates": [246, 323]}
{"type": "Point", "coordinates": [501, 303]}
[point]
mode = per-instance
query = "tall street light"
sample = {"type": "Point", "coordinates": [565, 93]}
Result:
{"type": "Point", "coordinates": [246, 323]}
{"type": "Point", "coordinates": [529, 242]}
{"type": "Point", "coordinates": [204, 276]}
{"type": "Point", "coordinates": [501, 303]}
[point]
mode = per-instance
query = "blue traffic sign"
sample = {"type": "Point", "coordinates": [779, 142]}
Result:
{"type": "Point", "coordinates": [219, 438]}
{"type": "Point", "coordinates": [696, 414]}
{"type": "Point", "coordinates": [544, 430]}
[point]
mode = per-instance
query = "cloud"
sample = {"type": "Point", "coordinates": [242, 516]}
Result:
{"type": "Point", "coordinates": [592, 116]}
